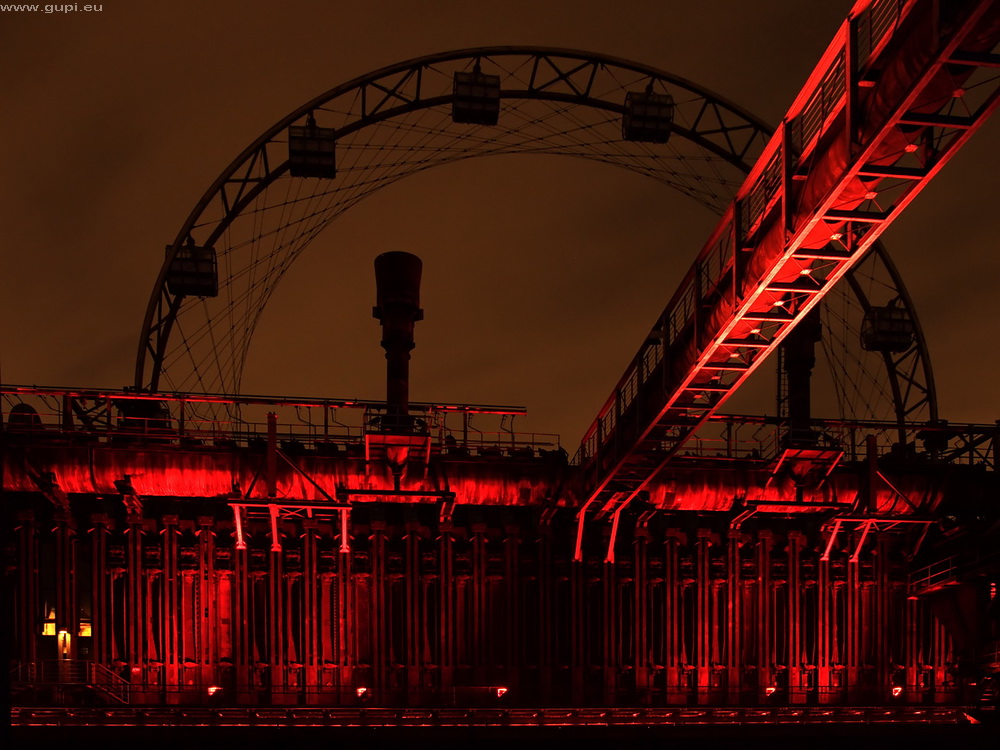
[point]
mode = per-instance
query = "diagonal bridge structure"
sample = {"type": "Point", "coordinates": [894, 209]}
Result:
{"type": "Point", "coordinates": [894, 97]}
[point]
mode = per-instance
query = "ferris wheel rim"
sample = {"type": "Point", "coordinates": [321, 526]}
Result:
{"type": "Point", "coordinates": [462, 54]}
{"type": "Point", "coordinates": [160, 294]}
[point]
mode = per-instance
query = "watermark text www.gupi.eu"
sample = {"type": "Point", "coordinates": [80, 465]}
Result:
{"type": "Point", "coordinates": [60, 8]}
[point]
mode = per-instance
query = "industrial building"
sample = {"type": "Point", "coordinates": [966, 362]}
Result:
{"type": "Point", "coordinates": [173, 550]}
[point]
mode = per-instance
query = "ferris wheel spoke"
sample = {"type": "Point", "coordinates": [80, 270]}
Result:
{"type": "Point", "coordinates": [258, 219]}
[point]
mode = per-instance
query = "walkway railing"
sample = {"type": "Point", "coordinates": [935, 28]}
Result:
{"type": "Point", "coordinates": [72, 672]}
{"type": "Point", "coordinates": [188, 420]}
{"type": "Point", "coordinates": [490, 717]}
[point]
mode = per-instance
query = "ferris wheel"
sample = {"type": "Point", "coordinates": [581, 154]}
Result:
{"type": "Point", "coordinates": [292, 183]}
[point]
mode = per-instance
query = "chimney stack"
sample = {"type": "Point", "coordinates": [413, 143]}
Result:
{"type": "Point", "coordinates": [397, 282]}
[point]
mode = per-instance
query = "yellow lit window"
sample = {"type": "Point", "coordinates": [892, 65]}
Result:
{"type": "Point", "coordinates": [49, 626]}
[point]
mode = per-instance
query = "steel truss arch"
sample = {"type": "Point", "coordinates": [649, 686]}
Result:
{"type": "Point", "coordinates": [568, 77]}
{"type": "Point", "coordinates": [553, 101]}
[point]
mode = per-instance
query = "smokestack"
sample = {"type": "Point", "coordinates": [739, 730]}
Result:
{"type": "Point", "coordinates": [397, 283]}
{"type": "Point", "coordinates": [799, 361]}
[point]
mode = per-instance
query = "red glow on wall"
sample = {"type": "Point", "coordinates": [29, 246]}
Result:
{"type": "Point", "coordinates": [159, 473]}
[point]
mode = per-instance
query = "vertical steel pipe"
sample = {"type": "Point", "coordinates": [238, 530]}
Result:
{"type": "Point", "coordinates": [397, 307]}
{"type": "Point", "coordinates": [676, 683]}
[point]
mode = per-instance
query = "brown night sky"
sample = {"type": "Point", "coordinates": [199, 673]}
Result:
{"type": "Point", "coordinates": [542, 275]}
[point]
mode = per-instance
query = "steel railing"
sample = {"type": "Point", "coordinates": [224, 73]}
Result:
{"type": "Point", "coordinates": [72, 672]}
